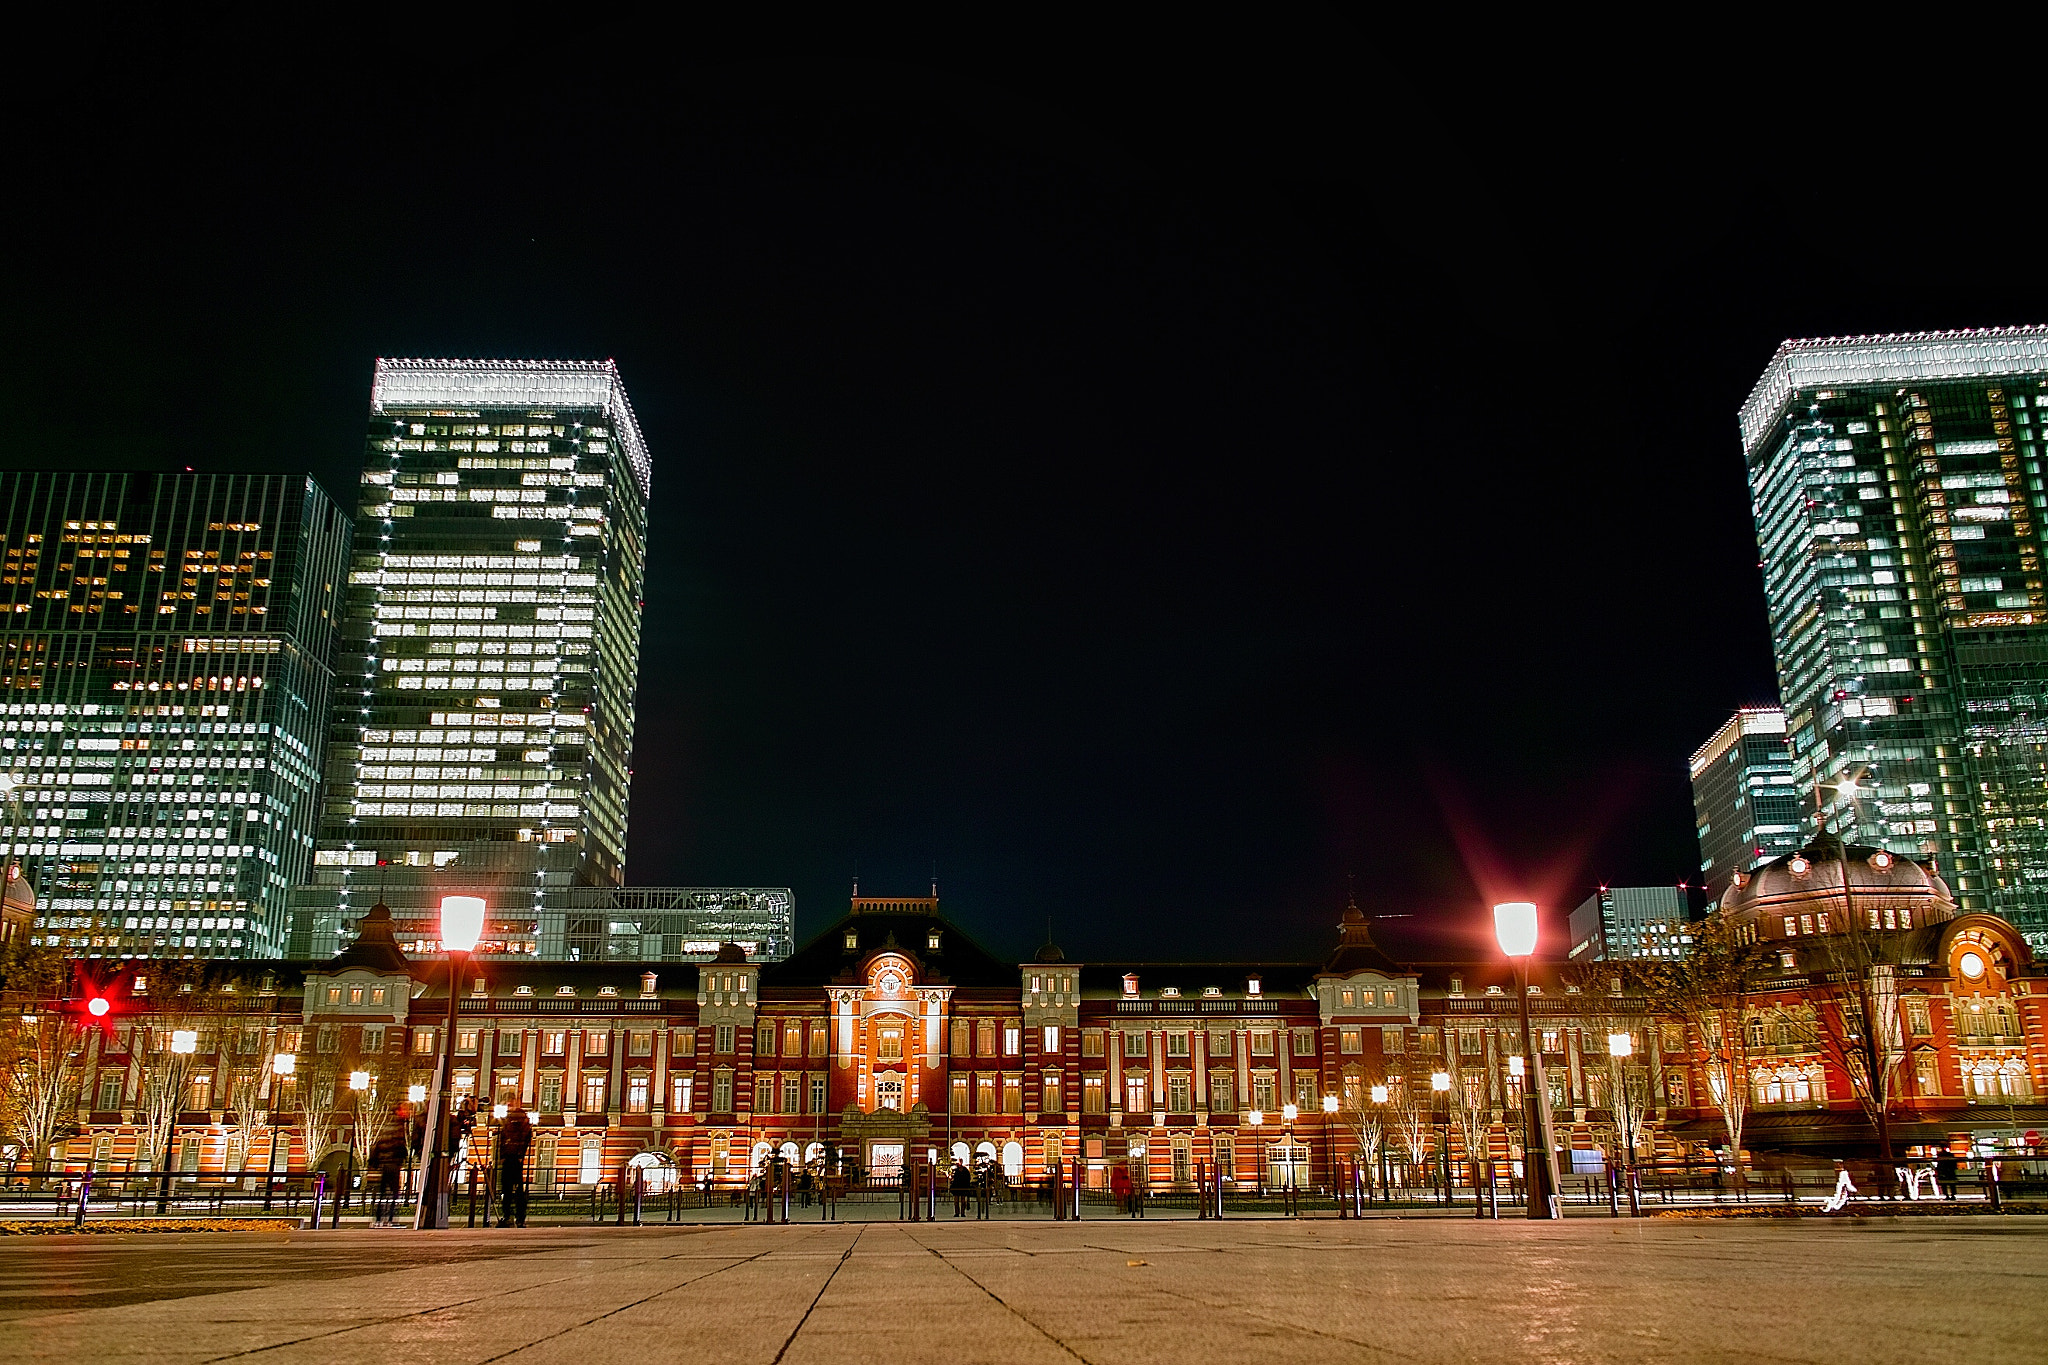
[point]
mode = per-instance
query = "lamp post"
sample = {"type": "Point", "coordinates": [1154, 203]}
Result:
{"type": "Point", "coordinates": [1379, 1098]}
{"type": "Point", "coordinates": [1440, 1087]}
{"type": "Point", "coordinates": [1515, 926]}
{"type": "Point", "coordinates": [462, 923]}
{"type": "Point", "coordinates": [1330, 1139]}
{"type": "Point", "coordinates": [282, 1065]}
{"type": "Point", "coordinates": [1257, 1119]}
{"type": "Point", "coordinates": [1621, 1047]}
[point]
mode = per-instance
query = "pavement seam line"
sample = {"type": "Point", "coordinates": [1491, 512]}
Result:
{"type": "Point", "coordinates": [1007, 1307]}
{"type": "Point", "coordinates": [1291, 1326]}
{"type": "Point", "coordinates": [686, 1284]}
{"type": "Point", "coordinates": [844, 1257]}
{"type": "Point", "coordinates": [442, 1308]}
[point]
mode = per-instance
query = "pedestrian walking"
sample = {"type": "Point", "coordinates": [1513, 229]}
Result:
{"type": "Point", "coordinates": [515, 1135]}
{"type": "Point", "coordinates": [962, 1185]}
{"type": "Point", "coordinates": [387, 1160]}
{"type": "Point", "coordinates": [1120, 1187]}
{"type": "Point", "coordinates": [1945, 1175]}
{"type": "Point", "coordinates": [1844, 1187]}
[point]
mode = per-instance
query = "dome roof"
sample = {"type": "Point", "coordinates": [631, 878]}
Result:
{"type": "Point", "coordinates": [1810, 881]}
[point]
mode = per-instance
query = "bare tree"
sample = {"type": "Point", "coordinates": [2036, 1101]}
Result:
{"type": "Point", "coordinates": [1709, 989]}
{"type": "Point", "coordinates": [43, 1054]}
{"type": "Point", "coordinates": [1855, 1022]}
{"type": "Point", "coordinates": [179, 998]}
{"type": "Point", "coordinates": [321, 1081]}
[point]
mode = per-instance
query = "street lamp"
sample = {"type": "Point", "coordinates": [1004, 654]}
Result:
{"type": "Point", "coordinates": [1379, 1099]}
{"type": "Point", "coordinates": [462, 923]}
{"type": "Point", "coordinates": [1257, 1119]}
{"type": "Point", "coordinates": [1621, 1047]}
{"type": "Point", "coordinates": [1440, 1086]}
{"type": "Point", "coordinates": [1330, 1138]}
{"type": "Point", "coordinates": [282, 1065]}
{"type": "Point", "coordinates": [1514, 924]}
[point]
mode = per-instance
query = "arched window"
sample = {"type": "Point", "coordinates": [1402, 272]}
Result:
{"type": "Point", "coordinates": [1013, 1161]}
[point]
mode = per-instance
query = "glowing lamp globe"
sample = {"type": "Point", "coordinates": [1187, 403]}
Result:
{"type": "Point", "coordinates": [1515, 1066]}
{"type": "Point", "coordinates": [97, 1007]}
{"type": "Point", "coordinates": [499, 1111]}
{"type": "Point", "coordinates": [1440, 1081]}
{"type": "Point", "coordinates": [1620, 1045]}
{"type": "Point", "coordinates": [359, 1080]}
{"type": "Point", "coordinates": [184, 1041]}
{"type": "Point", "coordinates": [1514, 924]}
{"type": "Point", "coordinates": [1289, 1112]}
{"type": "Point", "coordinates": [284, 1064]}
{"type": "Point", "coordinates": [417, 1094]}
{"type": "Point", "coordinates": [1329, 1104]}
{"type": "Point", "coordinates": [462, 922]}
{"type": "Point", "coordinates": [1256, 1117]}
{"type": "Point", "coordinates": [1379, 1094]}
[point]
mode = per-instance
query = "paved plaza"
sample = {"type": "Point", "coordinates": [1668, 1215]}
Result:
{"type": "Point", "coordinates": [1922, 1290]}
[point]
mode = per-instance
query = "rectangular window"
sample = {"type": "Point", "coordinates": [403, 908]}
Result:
{"type": "Point", "coordinates": [1262, 1093]}
{"type": "Point", "coordinates": [508, 1042]}
{"type": "Point", "coordinates": [1918, 1021]}
{"type": "Point", "coordinates": [1219, 1043]}
{"type": "Point", "coordinates": [1013, 1037]}
{"type": "Point", "coordinates": [963, 1034]}
{"type": "Point", "coordinates": [328, 1039]}
{"type": "Point", "coordinates": [682, 1042]}
{"type": "Point", "coordinates": [1351, 1040]}
{"type": "Point", "coordinates": [554, 1043]}
{"type": "Point", "coordinates": [423, 1040]}
{"type": "Point", "coordinates": [1392, 1041]}
{"type": "Point", "coordinates": [1137, 1099]}
{"type": "Point", "coordinates": [679, 1094]}
{"type": "Point", "coordinates": [599, 1044]}
{"type": "Point", "coordinates": [1674, 1088]}
{"type": "Point", "coordinates": [985, 1038]}
{"type": "Point", "coordinates": [721, 1091]}
{"type": "Point", "coordinates": [793, 1038]}
{"type": "Point", "coordinates": [1179, 1094]}
{"type": "Point", "coordinates": [373, 1039]}
{"type": "Point", "coordinates": [764, 1094]}
{"type": "Point", "coordinates": [960, 1101]}
{"type": "Point", "coordinates": [817, 1038]}
{"type": "Point", "coordinates": [1135, 1045]}
{"type": "Point", "coordinates": [984, 1093]}
{"type": "Point", "coordinates": [1048, 1094]}
{"type": "Point", "coordinates": [1304, 1042]}
{"type": "Point", "coordinates": [817, 1092]}
{"type": "Point", "coordinates": [1176, 1046]}
{"type": "Point", "coordinates": [1091, 1042]}
{"type": "Point", "coordinates": [551, 1094]}
{"type": "Point", "coordinates": [1471, 1042]}
{"type": "Point", "coordinates": [1226, 1156]}
{"type": "Point", "coordinates": [1307, 1092]}
{"type": "Point", "coordinates": [640, 1043]}
{"type": "Point", "coordinates": [111, 1083]}
{"type": "Point", "coordinates": [722, 1041]}
{"type": "Point", "coordinates": [764, 1041]}
{"type": "Point", "coordinates": [1222, 1092]}
{"type": "Point", "coordinates": [792, 1092]}
{"type": "Point", "coordinates": [889, 1044]}
{"type": "Point", "coordinates": [1926, 1074]}
{"type": "Point", "coordinates": [593, 1092]}
{"type": "Point", "coordinates": [1013, 1094]}
{"type": "Point", "coordinates": [636, 1092]}
{"type": "Point", "coordinates": [1049, 1041]}
{"type": "Point", "coordinates": [1091, 1095]}
{"type": "Point", "coordinates": [1262, 1042]}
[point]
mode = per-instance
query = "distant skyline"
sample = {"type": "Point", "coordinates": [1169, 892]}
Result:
{"type": "Point", "coordinates": [1148, 529]}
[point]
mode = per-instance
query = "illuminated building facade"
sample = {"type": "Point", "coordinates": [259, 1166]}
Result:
{"type": "Point", "coordinates": [1743, 797]}
{"type": "Point", "coordinates": [893, 1037]}
{"type": "Point", "coordinates": [1897, 488]}
{"type": "Point", "coordinates": [1618, 922]}
{"type": "Point", "coordinates": [483, 724]}
{"type": "Point", "coordinates": [165, 674]}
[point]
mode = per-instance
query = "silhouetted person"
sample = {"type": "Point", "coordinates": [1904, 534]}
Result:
{"type": "Point", "coordinates": [387, 1160]}
{"type": "Point", "coordinates": [515, 1135]}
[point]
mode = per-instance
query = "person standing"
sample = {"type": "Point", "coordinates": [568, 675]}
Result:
{"type": "Point", "coordinates": [515, 1135]}
{"type": "Point", "coordinates": [387, 1160]}
{"type": "Point", "coordinates": [962, 1186]}
{"type": "Point", "coordinates": [1945, 1174]}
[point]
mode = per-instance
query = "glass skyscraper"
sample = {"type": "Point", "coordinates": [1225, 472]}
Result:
{"type": "Point", "coordinates": [1897, 488]}
{"type": "Point", "coordinates": [165, 680]}
{"type": "Point", "coordinates": [483, 720]}
{"type": "Point", "coordinates": [1743, 797]}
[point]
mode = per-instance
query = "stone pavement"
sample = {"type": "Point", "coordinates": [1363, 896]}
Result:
{"type": "Point", "coordinates": [1651, 1290]}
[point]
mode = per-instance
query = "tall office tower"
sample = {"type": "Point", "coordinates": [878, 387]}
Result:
{"type": "Point", "coordinates": [1743, 796]}
{"type": "Point", "coordinates": [1618, 922]}
{"type": "Point", "coordinates": [165, 669]}
{"type": "Point", "coordinates": [483, 720]}
{"type": "Point", "coordinates": [1896, 482]}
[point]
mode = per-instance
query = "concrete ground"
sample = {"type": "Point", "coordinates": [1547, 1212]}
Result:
{"type": "Point", "coordinates": [1440, 1290]}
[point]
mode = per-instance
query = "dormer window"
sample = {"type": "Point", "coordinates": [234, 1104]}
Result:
{"type": "Point", "coordinates": [931, 940]}
{"type": "Point", "coordinates": [611, 991]}
{"type": "Point", "coordinates": [565, 990]}
{"type": "Point", "coordinates": [478, 989]}
{"type": "Point", "coordinates": [852, 939]}
{"type": "Point", "coordinates": [647, 980]}
{"type": "Point", "coordinates": [1252, 985]}
{"type": "Point", "coordinates": [522, 990]}
{"type": "Point", "coordinates": [1169, 992]}
{"type": "Point", "coordinates": [1495, 990]}
{"type": "Point", "coordinates": [1211, 992]}
{"type": "Point", "coordinates": [1130, 983]}
{"type": "Point", "coordinates": [1458, 985]}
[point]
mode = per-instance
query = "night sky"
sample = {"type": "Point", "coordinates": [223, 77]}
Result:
{"type": "Point", "coordinates": [1150, 514]}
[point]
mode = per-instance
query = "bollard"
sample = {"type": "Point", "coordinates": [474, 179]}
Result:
{"type": "Point", "coordinates": [639, 1194]}
{"type": "Point", "coordinates": [1991, 1187]}
{"type": "Point", "coordinates": [319, 1195]}
{"type": "Point", "coordinates": [84, 1196]}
